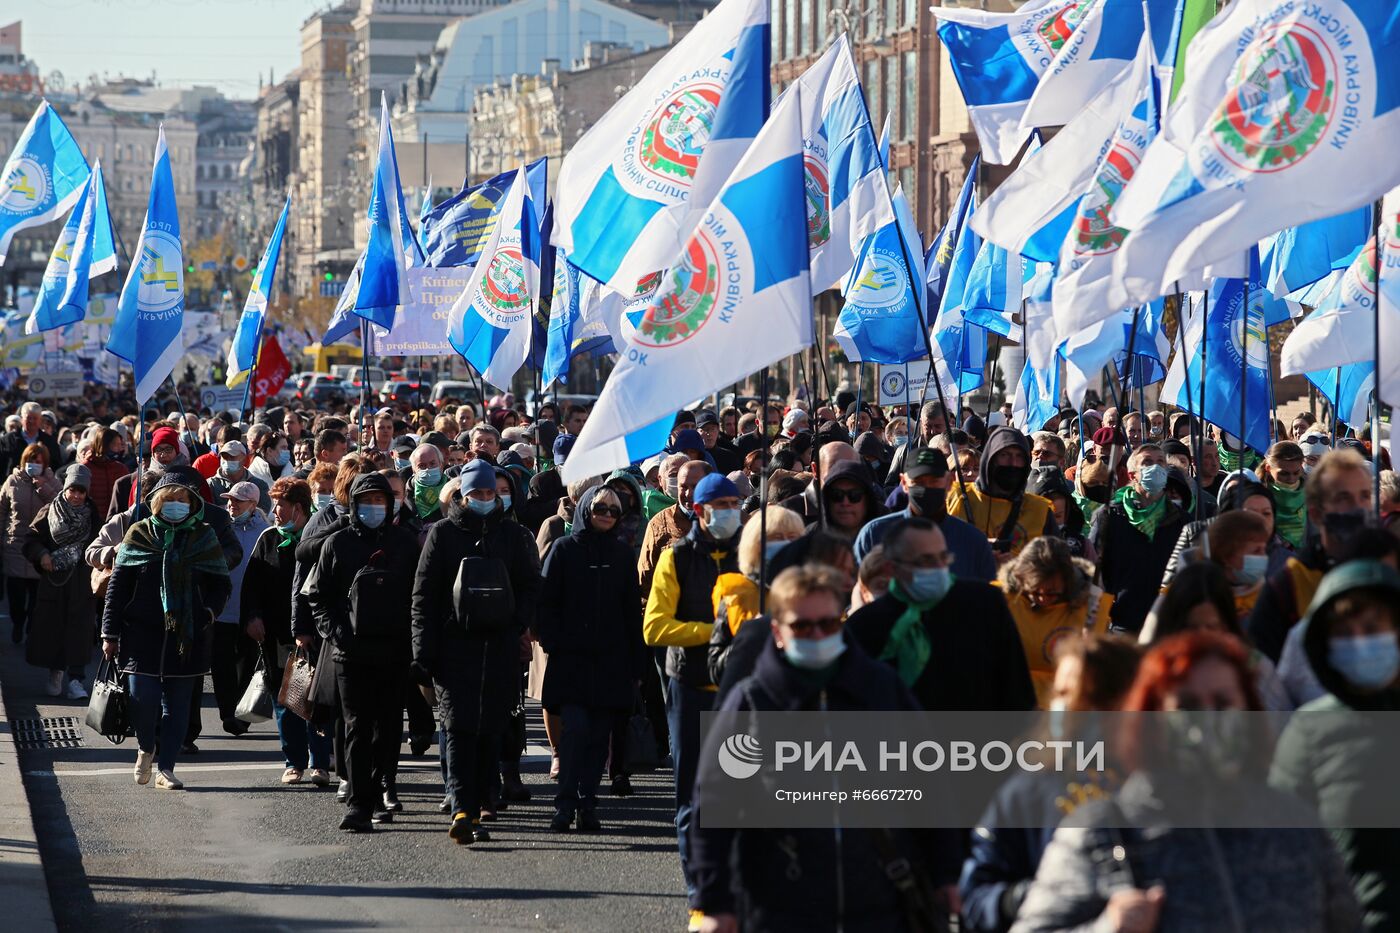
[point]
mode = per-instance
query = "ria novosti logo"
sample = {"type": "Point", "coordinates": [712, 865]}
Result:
{"type": "Point", "coordinates": [740, 756]}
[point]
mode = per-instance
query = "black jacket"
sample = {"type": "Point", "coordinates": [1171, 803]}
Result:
{"type": "Point", "coordinates": [1130, 564]}
{"type": "Point", "coordinates": [12, 446]}
{"type": "Point", "coordinates": [977, 661]}
{"type": "Point", "coordinates": [546, 489]}
{"type": "Point", "coordinates": [477, 676]}
{"type": "Point", "coordinates": [267, 587]}
{"type": "Point", "coordinates": [319, 527]}
{"type": "Point", "coordinates": [384, 638]}
{"type": "Point", "coordinates": [808, 879]}
{"type": "Point", "coordinates": [589, 619]}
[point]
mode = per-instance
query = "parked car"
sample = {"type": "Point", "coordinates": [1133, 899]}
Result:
{"type": "Point", "coordinates": [401, 390]}
{"type": "Point", "coordinates": [325, 389]}
{"type": "Point", "coordinates": [564, 400]}
{"type": "Point", "coordinates": [454, 392]}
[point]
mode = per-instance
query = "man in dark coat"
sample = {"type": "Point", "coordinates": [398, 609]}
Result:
{"type": "Point", "coordinates": [953, 642]}
{"type": "Point", "coordinates": [30, 432]}
{"type": "Point", "coordinates": [590, 624]}
{"type": "Point", "coordinates": [472, 660]}
{"type": "Point", "coordinates": [359, 596]}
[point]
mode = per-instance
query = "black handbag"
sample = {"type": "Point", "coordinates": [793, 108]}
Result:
{"type": "Point", "coordinates": [109, 710]}
{"type": "Point", "coordinates": [642, 751]}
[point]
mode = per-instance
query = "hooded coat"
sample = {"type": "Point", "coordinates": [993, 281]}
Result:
{"type": "Point", "coordinates": [1330, 759]}
{"type": "Point", "coordinates": [855, 472]}
{"type": "Point", "coordinates": [988, 506]}
{"type": "Point", "coordinates": [589, 619]}
{"type": "Point", "coordinates": [476, 675]}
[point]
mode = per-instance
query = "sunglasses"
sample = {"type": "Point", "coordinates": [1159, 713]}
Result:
{"type": "Point", "coordinates": [805, 627]}
{"type": "Point", "coordinates": [1311, 439]}
{"type": "Point", "coordinates": [611, 510]}
{"type": "Point", "coordinates": [845, 495]}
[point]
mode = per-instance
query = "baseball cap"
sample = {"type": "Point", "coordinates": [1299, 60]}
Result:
{"type": "Point", "coordinates": [706, 417]}
{"type": "Point", "coordinates": [562, 445]}
{"type": "Point", "coordinates": [405, 444]}
{"type": "Point", "coordinates": [243, 492]}
{"type": "Point", "coordinates": [793, 418]}
{"type": "Point", "coordinates": [715, 486]}
{"type": "Point", "coordinates": [233, 450]}
{"type": "Point", "coordinates": [926, 461]}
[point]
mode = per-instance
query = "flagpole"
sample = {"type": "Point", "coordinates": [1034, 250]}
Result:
{"type": "Point", "coordinates": [1377, 214]}
{"type": "Point", "coordinates": [1335, 405]}
{"type": "Point", "coordinates": [992, 383]}
{"type": "Point", "coordinates": [364, 376]}
{"type": "Point", "coordinates": [763, 494]}
{"type": "Point", "coordinates": [1197, 444]}
{"type": "Point", "coordinates": [252, 373]}
{"type": "Point", "coordinates": [1244, 367]}
{"type": "Point", "coordinates": [1128, 379]}
{"type": "Point", "coordinates": [860, 386]}
{"type": "Point", "coordinates": [179, 403]}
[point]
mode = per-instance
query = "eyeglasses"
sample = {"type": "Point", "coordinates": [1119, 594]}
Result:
{"type": "Point", "coordinates": [604, 509]}
{"type": "Point", "coordinates": [1311, 439]}
{"type": "Point", "coordinates": [845, 495]}
{"type": "Point", "coordinates": [804, 628]}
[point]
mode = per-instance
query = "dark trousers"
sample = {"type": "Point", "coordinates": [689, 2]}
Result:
{"type": "Point", "coordinates": [582, 750]}
{"type": "Point", "coordinates": [684, 704]}
{"type": "Point", "coordinates": [470, 760]}
{"type": "Point", "coordinates": [22, 594]}
{"type": "Point", "coordinates": [420, 714]}
{"type": "Point", "coordinates": [617, 746]}
{"type": "Point", "coordinates": [232, 658]}
{"type": "Point", "coordinates": [371, 703]}
{"type": "Point", "coordinates": [654, 699]}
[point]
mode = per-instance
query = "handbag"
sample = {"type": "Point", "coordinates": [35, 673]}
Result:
{"type": "Point", "coordinates": [256, 704]}
{"type": "Point", "coordinates": [109, 710]}
{"type": "Point", "coordinates": [325, 694]}
{"type": "Point", "coordinates": [295, 693]}
{"type": "Point", "coordinates": [642, 751]}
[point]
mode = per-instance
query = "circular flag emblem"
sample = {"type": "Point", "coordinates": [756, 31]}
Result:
{"type": "Point", "coordinates": [26, 187]}
{"type": "Point", "coordinates": [1282, 100]}
{"type": "Point", "coordinates": [680, 315]}
{"type": "Point", "coordinates": [1258, 336]}
{"type": "Point", "coordinates": [1055, 30]}
{"type": "Point", "coordinates": [818, 201]}
{"type": "Point", "coordinates": [62, 254]}
{"type": "Point", "coordinates": [673, 137]}
{"type": "Point", "coordinates": [503, 290]}
{"type": "Point", "coordinates": [892, 383]}
{"type": "Point", "coordinates": [882, 283]}
{"type": "Point", "coordinates": [1094, 235]}
{"type": "Point", "coordinates": [162, 284]}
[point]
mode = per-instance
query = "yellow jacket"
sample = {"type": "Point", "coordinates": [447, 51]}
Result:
{"type": "Point", "coordinates": [735, 600]}
{"type": "Point", "coordinates": [1042, 629]}
{"type": "Point", "coordinates": [988, 514]}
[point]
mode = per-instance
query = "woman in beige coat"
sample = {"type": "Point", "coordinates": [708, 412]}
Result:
{"type": "Point", "coordinates": [28, 489]}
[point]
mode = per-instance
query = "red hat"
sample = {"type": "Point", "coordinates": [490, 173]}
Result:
{"type": "Point", "coordinates": [1106, 437]}
{"type": "Point", "coordinates": [165, 435]}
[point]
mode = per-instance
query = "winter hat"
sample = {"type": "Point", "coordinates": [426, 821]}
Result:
{"type": "Point", "coordinates": [563, 444]}
{"type": "Point", "coordinates": [165, 435]}
{"type": "Point", "coordinates": [478, 474]}
{"type": "Point", "coordinates": [715, 486]}
{"type": "Point", "coordinates": [75, 474]}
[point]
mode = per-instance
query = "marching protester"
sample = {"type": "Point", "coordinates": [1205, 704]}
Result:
{"type": "Point", "coordinates": [997, 503]}
{"type": "Point", "coordinates": [61, 636]}
{"type": "Point", "coordinates": [27, 489]}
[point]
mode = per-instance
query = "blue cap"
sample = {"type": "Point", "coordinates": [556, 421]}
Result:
{"type": "Point", "coordinates": [715, 486]}
{"type": "Point", "coordinates": [689, 439]}
{"type": "Point", "coordinates": [562, 445]}
{"type": "Point", "coordinates": [477, 474]}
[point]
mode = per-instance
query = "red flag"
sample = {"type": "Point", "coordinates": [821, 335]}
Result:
{"type": "Point", "coordinates": [273, 370]}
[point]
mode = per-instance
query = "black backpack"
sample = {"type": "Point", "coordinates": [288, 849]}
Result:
{"type": "Point", "coordinates": [376, 601]}
{"type": "Point", "coordinates": [482, 594]}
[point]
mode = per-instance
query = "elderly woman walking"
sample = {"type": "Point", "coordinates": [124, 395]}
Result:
{"type": "Point", "coordinates": [169, 583]}
{"type": "Point", "coordinates": [62, 634]}
{"type": "Point", "coordinates": [26, 490]}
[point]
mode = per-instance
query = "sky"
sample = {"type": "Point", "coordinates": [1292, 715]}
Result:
{"type": "Point", "coordinates": [224, 43]}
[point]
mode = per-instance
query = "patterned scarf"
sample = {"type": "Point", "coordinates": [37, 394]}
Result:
{"type": "Point", "coordinates": [908, 645]}
{"type": "Point", "coordinates": [68, 527]}
{"type": "Point", "coordinates": [1144, 518]}
{"type": "Point", "coordinates": [181, 550]}
{"type": "Point", "coordinates": [1290, 514]}
{"type": "Point", "coordinates": [425, 498]}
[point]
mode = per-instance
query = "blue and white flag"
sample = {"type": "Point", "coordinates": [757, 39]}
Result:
{"type": "Point", "coordinates": [627, 197]}
{"type": "Point", "coordinates": [940, 251]}
{"type": "Point", "coordinates": [960, 348]}
{"type": "Point", "coordinates": [1296, 257]}
{"type": "Point", "coordinates": [458, 228]}
{"type": "Point", "coordinates": [151, 310]}
{"type": "Point", "coordinates": [536, 224]}
{"type": "Point", "coordinates": [736, 300]}
{"type": "Point", "coordinates": [881, 320]}
{"type": "Point", "coordinates": [1100, 49]}
{"type": "Point", "coordinates": [884, 136]}
{"type": "Point", "coordinates": [1236, 365]}
{"type": "Point", "coordinates": [243, 351]}
{"type": "Point", "coordinates": [490, 323]}
{"type": "Point", "coordinates": [1348, 390]}
{"type": "Point", "coordinates": [848, 198]}
{"type": "Point", "coordinates": [1088, 350]}
{"type": "Point", "coordinates": [1342, 330]}
{"type": "Point", "coordinates": [63, 294]}
{"type": "Point", "coordinates": [43, 177]}
{"type": "Point", "coordinates": [1038, 390]}
{"type": "Point", "coordinates": [994, 290]}
{"type": "Point", "coordinates": [384, 281]}
{"type": "Point", "coordinates": [425, 208]}
{"type": "Point", "coordinates": [1389, 309]}
{"type": "Point", "coordinates": [999, 58]}
{"type": "Point", "coordinates": [344, 322]}
{"type": "Point", "coordinates": [1033, 211]}
{"type": "Point", "coordinates": [574, 328]}
{"type": "Point", "coordinates": [1283, 110]}
{"type": "Point", "coordinates": [1151, 348]}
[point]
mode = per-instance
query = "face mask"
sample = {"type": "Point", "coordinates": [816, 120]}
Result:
{"type": "Point", "coordinates": [771, 549]}
{"type": "Point", "coordinates": [1010, 479]}
{"type": "Point", "coordinates": [230, 467]}
{"type": "Point", "coordinates": [1096, 493]}
{"type": "Point", "coordinates": [1342, 527]}
{"type": "Point", "coordinates": [324, 499]}
{"type": "Point", "coordinates": [371, 516]}
{"type": "Point", "coordinates": [284, 457]}
{"type": "Point", "coordinates": [929, 584]}
{"type": "Point", "coordinates": [1153, 479]}
{"type": "Point", "coordinates": [430, 477]}
{"type": "Point", "coordinates": [930, 503]}
{"type": "Point", "coordinates": [505, 502]}
{"type": "Point", "coordinates": [1368, 662]}
{"type": "Point", "coordinates": [1055, 718]}
{"type": "Point", "coordinates": [901, 439]}
{"type": "Point", "coordinates": [242, 521]}
{"type": "Point", "coordinates": [1156, 431]}
{"type": "Point", "coordinates": [113, 455]}
{"type": "Point", "coordinates": [401, 463]}
{"type": "Point", "coordinates": [1255, 566]}
{"type": "Point", "coordinates": [175, 512]}
{"type": "Point", "coordinates": [288, 528]}
{"type": "Point", "coordinates": [814, 654]}
{"type": "Point", "coordinates": [481, 507]}
{"type": "Point", "coordinates": [773, 430]}
{"type": "Point", "coordinates": [34, 469]}
{"type": "Point", "coordinates": [722, 523]}
{"type": "Point", "coordinates": [673, 488]}
{"type": "Point", "coordinates": [1211, 744]}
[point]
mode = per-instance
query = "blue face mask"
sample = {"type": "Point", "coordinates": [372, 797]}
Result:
{"type": "Point", "coordinates": [230, 467]}
{"type": "Point", "coordinates": [722, 523]}
{"type": "Point", "coordinates": [901, 439]}
{"type": "Point", "coordinates": [371, 516]}
{"type": "Point", "coordinates": [284, 457]}
{"type": "Point", "coordinates": [175, 512]}
{"type": "Point", "coordinates": [402, 463]}
{"type": "Point", "coordinates": [1368, 662]}
{"type": "Point", "coordinates": [1153, 479]}
{"type": "Point", "coordinates": [323, 500]}
{"type": "Point", "coordinates": [289, 527]}
{"type": "Point", "coordinates": [481, 506]}
{"type": "Point", "coordinates": [34, 469]}
{"type": "Point", "coordinates": [771, 549]}
{"type": "Point", "coordinates": [430, 477]}
{"type": "Point", "coordinates": [243, 520]}
{"type": "Point", "coordinates": [929, 584]}
{"type": "Point", "coordinates": [505, 502]}
{"type": "Point", "coordinates": [1255, 566]}
{"type": "Point", "coordinates": [814, 654]}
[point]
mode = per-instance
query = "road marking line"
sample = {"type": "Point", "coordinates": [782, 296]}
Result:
{"type": "Point", "coordinates": [532, 753]}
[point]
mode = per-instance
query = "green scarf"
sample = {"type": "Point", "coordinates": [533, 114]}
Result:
{"type": "Point", "coordinates": [425, 498]}
{"type": "Point", "coordinates": [654, 501]}
{"type": "Point", "coordinates": [1087, 506]}
{"type": "Point", "coordinates": [1230, 460]}
{"type": "Point", "coordinates": [1143, 517]}
{"type": "Point", "coordinates": [181, 551]}
{"type": "Point", "coordinates": [908, 645]}
{"type": "Point", "coordinates": [289, 539]}
{"type": "Point", "coordinates": [1290, 514]}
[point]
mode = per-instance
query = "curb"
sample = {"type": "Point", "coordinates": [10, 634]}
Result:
{"type": "Point", "coordinates": [24, 888]}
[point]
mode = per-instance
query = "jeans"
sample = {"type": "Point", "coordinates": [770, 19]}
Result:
{"type": "Point", "coordinates": [371, 703]}
{"type": "Point", "coordinates": [470, 762]}
{"type": "Point", "coordinates": [582, 749]}
{"type": "Point", "coordinates": [164, 704]}
{"type": "Point", "coordinates": [684, 704]}
{"type": "Point", "coordinates": [302, 745]}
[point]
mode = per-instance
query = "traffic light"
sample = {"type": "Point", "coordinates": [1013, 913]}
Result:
{"type": "Point", "coordinates": [329, 276]}
{"type": "Point", "coordinates": [189, 270]}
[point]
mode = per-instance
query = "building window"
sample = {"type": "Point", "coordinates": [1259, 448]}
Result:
{"type": "Point", "coordinates": [911, 13]}
{"type": "Point", "coordinates": [909, 124]}
{"type": "Point", "coordinates": [775, 31]}
{"type": "Point", "coordinates": [790, 27]}
{"type": "Point", "coordinates": [808, 44]}
{"type": "Point", "coordinates": [891, 108]}
{"type": "Point", "coordinates": [906, 181]}
{"type": "Point", "coordinates": [872, 92]}
{"type": "Point", "coordinates": [892, 8]}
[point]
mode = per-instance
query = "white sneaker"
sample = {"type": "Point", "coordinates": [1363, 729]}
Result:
{"type": "Point", "coordinates": [76, 691]}
{"type": "Point", "coordinates": [143, 766]}
{"type": "Point", "coordinates": [55, 687]}
{"type": "Point", "coordinates": [165, 780]}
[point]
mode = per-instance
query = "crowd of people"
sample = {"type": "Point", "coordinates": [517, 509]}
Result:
{"type": "Point", "coordinates": [435, 571]}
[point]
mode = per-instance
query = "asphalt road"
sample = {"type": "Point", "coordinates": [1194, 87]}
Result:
{"type": "Point", "coordinates": [238, 850]}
